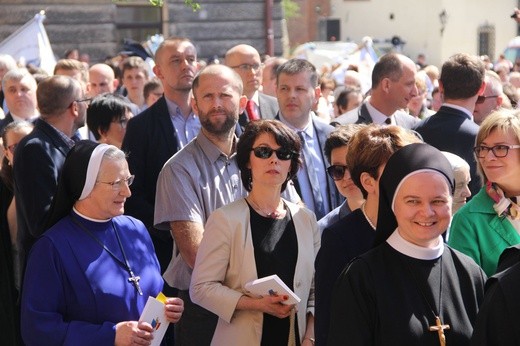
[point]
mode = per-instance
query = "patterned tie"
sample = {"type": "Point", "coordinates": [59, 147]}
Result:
{"type": "Point", "coordinates": [319, 208]}
{"type": "Point", "coordinates": [251, 110]}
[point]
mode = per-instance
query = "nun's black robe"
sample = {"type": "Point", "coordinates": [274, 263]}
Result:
{"type": "Point", "coordinates": [376, 301]}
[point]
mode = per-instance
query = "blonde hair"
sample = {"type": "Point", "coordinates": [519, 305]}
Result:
{"type": "Point", "coordinates": [503, 120]}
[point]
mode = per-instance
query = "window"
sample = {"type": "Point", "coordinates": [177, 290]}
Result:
{"type": "Point", "coordinates": [486, 41]}
{"type": "Point", "coordinates": [138, 20]}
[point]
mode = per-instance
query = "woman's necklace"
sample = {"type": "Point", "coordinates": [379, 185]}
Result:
{"type": "Point", "coordinates": [134, 280]}
{"type": "Point", "coordinates": [438, 327]}
{"type": "Point", "coordinates": [275, 214]}
{"type": "Point", "coordinates": [366, 216]}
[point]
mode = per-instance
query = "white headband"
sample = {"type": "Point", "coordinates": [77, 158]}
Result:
{"type": "Point", "coordinates": [93, 169]}
{"type": "Point", "coordinates": [414, 173]}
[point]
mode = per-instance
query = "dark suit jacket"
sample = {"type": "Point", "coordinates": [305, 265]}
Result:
{"type": "Point", "coordinates": [268, 106]}
{"type": "Point", "coordinates": [149, 142]}
{"type": "Point", "coordinates": [341, 242]}
{"type": "Point", "coordinates": [39, 158]}
{"type": "Point", "coordinates": [323, 130]}
{"type": "Point", "coordinates": [452, 130]}
{"type": "Point", "coordinates": [5, 121]}
{"type": "Point", "coordinates": [362, 116]}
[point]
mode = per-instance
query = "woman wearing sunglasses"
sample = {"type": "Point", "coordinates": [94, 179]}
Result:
{"type": "Point", "coordinates": [336, 147]}
{"type": "Point", "coordinates": [258, 236]}
{"type": "Point", "coordinates": [490, 221]}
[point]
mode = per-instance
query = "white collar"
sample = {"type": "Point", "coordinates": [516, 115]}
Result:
{"type": "Point", "coordinates": [462, 109]}
{"type": "Point", "coordinates": [89, 218]}
{"type": "Point", "coordinates": [308, 129]}
{"type": "Point", "coordinates": [411, 250]}
{"type": "Point", "coordinates": [377, 116]}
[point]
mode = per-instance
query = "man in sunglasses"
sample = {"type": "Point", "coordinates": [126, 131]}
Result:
{"type": "Point", "coordinates": [452, 128]}
{"type": "Point", "coordinates": [492, 98]}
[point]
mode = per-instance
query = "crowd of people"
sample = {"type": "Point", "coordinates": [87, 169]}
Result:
{"type": "Point", "coordinates": [385, 210]}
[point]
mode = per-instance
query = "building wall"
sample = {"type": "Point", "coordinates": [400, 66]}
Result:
{"type": "Point", "coordinates": [86, 25]}
{"type": "Point", "coordinates": [89, 25]}
{"type": "Point", "coordinates": [305, 27]}
{"type": "Point", "coordinates": [222, 24]}
{"type": "Point", "coordinates": [418, 24]}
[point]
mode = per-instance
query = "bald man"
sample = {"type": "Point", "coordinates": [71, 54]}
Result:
{"type": "Point", "coordinates": [393, 85]}
{"type": "Point", "coordinates": [101, 80]}
{"type": "Point", "coordinates": [245, 60]}
{"type": "Point", "coordinates": [492, 98]}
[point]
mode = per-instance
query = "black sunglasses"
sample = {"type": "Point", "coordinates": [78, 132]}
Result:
{"type": "Point", "coordinates": [337, 172]}
{"type": "Point", "coordinates": [481, 99]}
{"type": "Point", "coordinates": [266, 152]}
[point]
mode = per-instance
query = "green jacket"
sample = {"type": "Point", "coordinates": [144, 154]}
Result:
{"type": "Point", "coordinates": [480, 233]}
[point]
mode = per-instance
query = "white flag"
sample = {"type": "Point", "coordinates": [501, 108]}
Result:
{"type": "Point", "coordinates": [31, 45]}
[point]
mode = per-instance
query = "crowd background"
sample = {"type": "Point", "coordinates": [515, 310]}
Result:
{"type": "Point", "coordinates": [182, 136]}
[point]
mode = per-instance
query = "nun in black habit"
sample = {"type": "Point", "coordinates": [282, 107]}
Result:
{"type": "Point", "coordinates": [411, 288]}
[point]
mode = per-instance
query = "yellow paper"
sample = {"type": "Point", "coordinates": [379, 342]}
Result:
{"type": "Point", "coordinates": [161, 297]}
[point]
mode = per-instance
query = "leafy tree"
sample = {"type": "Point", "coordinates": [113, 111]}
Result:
{"type": "Point", "coordinates": [195, 6]}
{"type": "Point", "coordinates": [291, 9]}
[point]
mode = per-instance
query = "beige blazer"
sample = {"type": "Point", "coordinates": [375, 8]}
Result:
{"type": "Point", "coordinates": [226, 262]}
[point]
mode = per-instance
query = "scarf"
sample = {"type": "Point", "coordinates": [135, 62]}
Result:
{"type": "Point", "coordinates": [503, 206]}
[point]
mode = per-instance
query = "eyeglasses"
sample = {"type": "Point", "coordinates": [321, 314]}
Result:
{"type": "Point", "coordinates": [120, 183]}
{"type": "Point", "coordinates": [86, 100]}
{"type": "Point", "coordinates": [248, 67]}
{"type": "Point", "coordinates": [482, 99]}
{"type": "Point", "coordinates": [337, 172]}
{"type": "Point", "coordinates": [266, 152]}
{"type": "Point", "coordinates": [500, 150]}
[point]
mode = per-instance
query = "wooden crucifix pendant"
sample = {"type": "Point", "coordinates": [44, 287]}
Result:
{"type": "Point", "coordinates": [439, 328]}
{"type": "Point", "coordinates": [134, 280]}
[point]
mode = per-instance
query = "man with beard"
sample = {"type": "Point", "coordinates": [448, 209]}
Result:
{"type": "Point", "coordinates": [153, 136]}
{"type": "Point", "coordinates": [200, 178]}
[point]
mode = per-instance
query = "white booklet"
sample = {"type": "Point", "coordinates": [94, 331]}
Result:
{"type": "Point", "coordinates": [272, 285]}
{"type": "Point", "coordinates": [153, 313]}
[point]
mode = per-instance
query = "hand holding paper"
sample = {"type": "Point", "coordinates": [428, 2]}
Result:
{"type": "Point", "coordinates": [155, 314]}
{"type": "Point", "coordinates": [173, 309]}
{"type": "Point", "coordinates": [272, 285]}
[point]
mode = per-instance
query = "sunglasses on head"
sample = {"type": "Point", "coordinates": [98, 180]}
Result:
{"type": "Point", "coordinates": [482, 99]}
{"type": "Point", "coordinates": [337, 172]}
{"type": "Point", "coordinates": [266, 152]}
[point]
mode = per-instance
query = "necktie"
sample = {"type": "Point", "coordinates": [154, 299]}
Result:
{"type": "Point", "coordinates": [319, 208]}
{"type": "Point", "coordinates": [388, 121]}
{"type": "Point", "coordinates": [251, 111]}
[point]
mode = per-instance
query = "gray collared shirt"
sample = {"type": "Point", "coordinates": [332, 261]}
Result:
{"type": "Point", "coordinates": [192, 184]}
